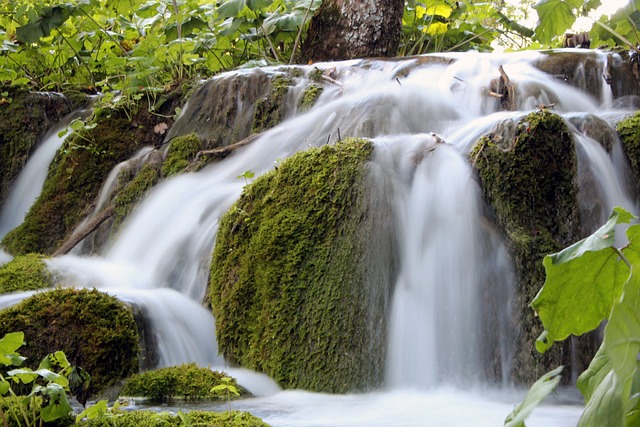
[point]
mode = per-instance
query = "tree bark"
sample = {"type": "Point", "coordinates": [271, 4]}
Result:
{"type": "Point", "coordinates": [349, 29]}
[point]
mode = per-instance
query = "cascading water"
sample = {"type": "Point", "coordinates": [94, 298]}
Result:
{"type": "Point", "coordinates": [424, 118]}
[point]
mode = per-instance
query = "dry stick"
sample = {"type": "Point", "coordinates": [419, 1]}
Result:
{"type": "Point", "coordinates": [508, 86]}
{"type": "Point", "coordinates": [75, 238]}
{"type": "Point", "coordinates": [222, 152]}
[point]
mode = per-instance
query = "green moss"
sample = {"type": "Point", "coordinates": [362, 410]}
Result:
{"type": "Point", "coordinates": [530, 184]}
{"type": "Point", "coordinates": [95, 331]}
{"type": "Point", "coordinates": [135, 190]}
{"type": "Point", "coordinates": [180, 153]}
{"type": "Point", "coordinates": [270, 110]}
{"type": "Point", "coordinates": [289, 285]}
{"type": "Point", "coordinates": [23, 122]}
{"type": "Point", "coordinates": [629, 130]}
{"type": "Point", "coordinates": [165, 419]}
{"type": "Point", "coordinates": [186, 381]}
{"type": "Point", "coordinates": [24, 273]}
{"type": "Point", "coordinates": [311, 94]}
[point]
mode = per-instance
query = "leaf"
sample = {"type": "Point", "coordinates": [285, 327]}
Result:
{"type": "Point", "coordinates": [555, 17]}
{"type": "Point", "coordinates": [99, 409]}
{"type": "Point", "coordinates": [58, 405]}
{"type": "Point", "coordinates": [605, 408]}
{"type": "Point", "coordinates": [536, 394]}
{"type": "Point", "coordinates": [597, 371]}
{"type": "Point", "coordinates": [622, 333]}
{"type": "Point", "coordinates": [8, 346]}
{"type": "Point", "coordinates": [258, 4]}
{"type": "Point", "coordinates": [231, 8]}
{"type": "Point", "coordinates": [582, 284]}
{"type": "Point", "coordinates": [48, 18]}
{"type": "Point", "coordinates": [4, 387]}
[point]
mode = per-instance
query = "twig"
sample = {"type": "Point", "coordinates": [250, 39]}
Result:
{"type": "Point", "coordinates": [222, 152]}
{"type": "Point", "coordinates": [76, 238]}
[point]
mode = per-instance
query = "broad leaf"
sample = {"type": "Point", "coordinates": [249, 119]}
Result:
{"type": "Point", "coordinates": [4, 387]}
{"type": "Point", "coordinates": [536, 394]}
{"type": "Point", "coordinates": [8, 346]}
{"type": "Point", "coordinates": [231, 8]}
{"type": "Point", "coordinates": [48, 19]}
{"type": "Point", "coordinates": [582, 284]}
{"type": "Point", "coordinates": [605, 409]}
{"type": "Point", "coordinates": [555, 17]}
{"type": "Point", "coordinates": [590, 379]}
{"type": "Point", "coordinates": [58, 406]}
{"type": "Point", "coordinates": [622, 333]}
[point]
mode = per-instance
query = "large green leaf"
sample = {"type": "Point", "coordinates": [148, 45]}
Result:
{"type": "Point", "coordinates": [622, 333]}
{"type": "Point", "coordinates": [47, 19]}
{"type": "Point", "coordinates": [8, 346]}
{"type": "Point", "coordinates": [555, 17]}
{"type": "Point", "coordinates": [536, 394]}
{"type": "Point", "coordinates": [590, 379]}
{"type": "Point", "coordinates": [606, 408]}
{"type": "Point", "coordinates": [231, 8]}
{"type": "Point", "coordinates": [57, 404]}
{"type": "Point", "coordinates": [582, 284]}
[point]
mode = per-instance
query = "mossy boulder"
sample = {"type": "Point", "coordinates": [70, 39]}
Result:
{"type": "Point", "coordinates": [629, 131]}
{"type": "Point", "coordinates": [311, 94]}
{"type": "Point", "coordinates": [130, 194]}
{"type": "Point", "coordinates": [181, 152]}
{"type": "Point", "coordinates": [24, 273]}
{"type": "Point", "coordinates": [530, 183]}
{"type": "Point", "coordinates": [291, 286]}
{"type": "Point", "coordinates": [95, 331]}
{"type": "Point", "coordinates": [165, 419]}
{"type": "Point", "coordinates": [188, 381]}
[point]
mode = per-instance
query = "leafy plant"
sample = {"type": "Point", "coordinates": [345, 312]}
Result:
{"type": "Point", "coordinates": [227, 388]}
{"type": "Point", "coordinates": [47, 400]}
{"type": "Point", "coordinates": [588, 283]}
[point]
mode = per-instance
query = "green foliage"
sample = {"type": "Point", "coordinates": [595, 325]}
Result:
{"type": "Point", "coordinates": [601, 280]}
{"type": "Point", "coordinates": [165, 419]}
{"type": "Point", "coordinates": [227, 389]}
{"type": "Point", "coordinates": [286, 296]}
{"type": "Point", "coordinates": [93, 329]}
{"type": "Point", "coordinates": [47, 399]}
{"type": "Point", "coordinates": [24, 273]}
{"type": "Point", "coordinates": [186, 381]}
{"type": "Point", "coordinates": [536, 394]}
{"type": "Point", "coordinates": [181, 152]}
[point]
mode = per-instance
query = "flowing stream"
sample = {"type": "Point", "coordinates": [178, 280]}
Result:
{"type": "Point", "coordinates": [424, 119]}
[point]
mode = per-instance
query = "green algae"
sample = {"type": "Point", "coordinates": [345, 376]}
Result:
{"type": "Point", "coordinates": [134, 191]}
{"type": "Point", "coordinates": [629, 131]}
{"type": "Point", "coordinates": [289, 286]}
{"type": "Point", "coordinates": [311, 94]}
{"type": "Point", "coordinates": [270, 110]}
{"type": "Point", "coordinates": [182, 151]}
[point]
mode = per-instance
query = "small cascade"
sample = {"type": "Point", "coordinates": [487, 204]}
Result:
{"type": "Point", "coordinates": [29, 183]}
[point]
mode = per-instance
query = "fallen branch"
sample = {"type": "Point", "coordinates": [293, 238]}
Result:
{"type": "Point", "coordinates": [92, 226]}
{"type": "Point", "coordinates": [222, 152]}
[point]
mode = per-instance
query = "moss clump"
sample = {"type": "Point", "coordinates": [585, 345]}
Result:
{"type": "Point", "coordinates": [311, 94]}
{"type": "Point", "coordinates": [529, 182]}
{"type": "Point", "coordinates": [165, 419]}
{"type": "Point", "coordinates": [186, 381]}
{"type": "Point", "coordinates": [95, 331]}
{"type": "Point", "coordinates": [180, 154]}
{"type": "Point", "coordinates": [629, 130]}
{"type": "Point", "coordinates": [24, 273]}
{"type": "Point", "coordinates": [270, 110]}
{"type": "Point", "coordinates": [134, 191]}
{"type": "Point", "coordinates": [289, 283]}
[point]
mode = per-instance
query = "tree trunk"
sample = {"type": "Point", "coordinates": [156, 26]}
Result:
{"type": "Point", "coordinates": [348, 29]}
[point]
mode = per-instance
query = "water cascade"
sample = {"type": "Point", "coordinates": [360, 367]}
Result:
{"type": "Point", "coordinates": [450, 314]}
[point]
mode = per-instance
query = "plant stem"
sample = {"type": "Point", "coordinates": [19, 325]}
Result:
{"type": "Point", "coordinates": [295, 44]}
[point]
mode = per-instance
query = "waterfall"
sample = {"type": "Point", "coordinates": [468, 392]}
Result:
{"type": "Point", "coordinates": [450, 309]}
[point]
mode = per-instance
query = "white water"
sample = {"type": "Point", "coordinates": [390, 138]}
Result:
{"type": "Point", "coordinates": [160, 259]}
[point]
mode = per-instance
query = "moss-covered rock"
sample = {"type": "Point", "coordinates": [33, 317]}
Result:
{"type": "Point", "coordinates": [629, 131]}
{"type": "Point", "coordinates": [530, 183]}
{"type": "Point", "coordinates": [23, 122]}
{"type": "Point", "coordinates": [182, 150]}
{"type": "Point", "coordinates": [95, 331]}
{"type": "Point", "coordinates": [186, 381]}
{"type": "Point", "coordinates": [290, 284]}
{"type": "Point", "coordinates": [24, 273]}
{"type": "Point", "coordinates": [311, 94]}
{"type": "Point", "coordinates": [270, 110]}
{"type": "Point", "coordinates": [127, 197]}
{"type": "Point", "coordinates": [165, 419]}
{"type": "Point", "coordinates": [77, 173]}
